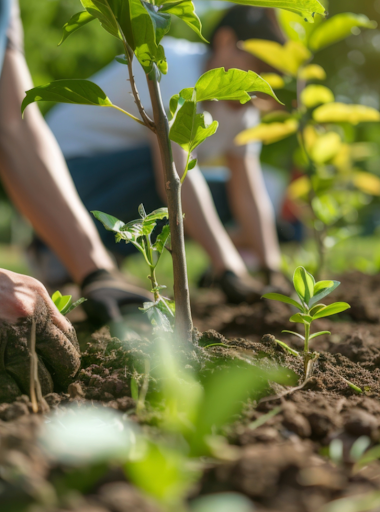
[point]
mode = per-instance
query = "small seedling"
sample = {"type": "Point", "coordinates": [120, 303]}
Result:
{"type": "Point", "coordinates": [138, 232]}
{"type": "Point", "coordinates": [64, 303]}
{"type": "Point", "coordinates": [309, 293]}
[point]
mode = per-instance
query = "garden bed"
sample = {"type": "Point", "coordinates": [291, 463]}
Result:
{"type": "Point", "coordinates": [282, 465]}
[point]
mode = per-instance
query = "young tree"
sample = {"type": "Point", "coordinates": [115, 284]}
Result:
{"type": "Point", "coordinates": [332, 185]}
{"type": "Point", "coordinates": [140, 26]}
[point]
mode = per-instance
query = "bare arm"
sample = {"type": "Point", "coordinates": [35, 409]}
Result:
{"type": "Point", "coordinates": [202, 222]}
{"type": "Point", "coordinates": [36, 177]}
{"type": "Point", "coordinates": [252, 208]}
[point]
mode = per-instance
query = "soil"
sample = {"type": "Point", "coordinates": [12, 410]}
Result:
{"type": "Point", "coordinates": [281, 465]}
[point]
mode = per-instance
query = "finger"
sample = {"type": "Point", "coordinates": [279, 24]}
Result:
{"type": "Point", "coordinates": [58, 353]}
{"type": "Point", "coordinates": [9, 389]}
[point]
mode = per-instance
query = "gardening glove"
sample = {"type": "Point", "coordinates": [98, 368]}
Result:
{"type": "Point", "coordinates": [24, 299]}
{"type": "Point", "coordinates": [107, 293]}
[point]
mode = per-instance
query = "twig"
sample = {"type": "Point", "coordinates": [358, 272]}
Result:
{"type": "Point", "coordinates": [35, 385]}
{"type": "Point", "coordinates": [147, 120]}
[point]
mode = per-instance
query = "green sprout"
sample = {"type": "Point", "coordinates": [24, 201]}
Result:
{"type": "Point", "coordinates": [64, 303]}
{"type": "Point", "coordinates": [138, 232]}
{"type": "Point", "coordinates": [309, 293]}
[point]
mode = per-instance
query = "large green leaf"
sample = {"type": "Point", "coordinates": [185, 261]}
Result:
{"type": "Point", "coordinates": [80, 92]}
{"type": "Point", "coordinates": [303, 283]}
{"type": "Point", "coordinates": [337, 28]}
{"type": "Point", "coordinates": [332, 309]}
{"type": "Point", "coordinates": [288, 58]}
{"type": "Point", "coordinates": [268, 132]}
{"type": "Point", "coordinates": [75, 22]}
{"type": "Point", "coordinates": [283, 298]}
{"type": "Point", "coordinates": [161, 21]}
{"type": "Point", "coordinates": [343, 113]}
{"type": "Point", "coordinates": [305, 8]}
{"type": "Point", "coordinates": [190, 129]}
{"type": "Point", "coordinates": [184, 9]}
{"type": "Point", "coordinates": [104, 11]}
{"type": "Point", "coordinates": [300, 318]}
{"type": "Point", "coordinates": [294, 27]}
{"type": "Point", "coordinates": [234, 84]}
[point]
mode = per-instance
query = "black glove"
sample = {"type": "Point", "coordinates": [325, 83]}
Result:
{"type": "Point", "coordinates": [107, 293]}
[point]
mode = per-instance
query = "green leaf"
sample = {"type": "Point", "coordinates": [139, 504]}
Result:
{"type": "Point", "coordinates": [62, 303]}
{"type": "Point", "coordinates": [185, 10]}
{"type": "Point", "coordinates": [304, 8]}
{"type": "Point", "coordinates": [337, 28]}
{"type": "Point", "coordinates": [343, 113]}
{"type": "Point", "coordinates": [160, 19]}
{"type": "Point", "coordinates": [300, 318]}
{"type": "Point", "coordinates": [162, 239]}
{"type": "Point", "coordinates": [316, 334]}
{"type": "Point", "coordinates": [71, 307]}
{"type": "Point", "coordinates": [322, 289]}
{"type": "Point", "coordinates": [234, 84]}
{"type": "Point", "coordinates": [282, 298]}
{"type": "Point", "coordinates": [274, 80]}
{"type": "Point", "coordinates": [303, 283]}
{"type": "Point", "coordinates": [109, 222]}
{"type": "Point", "coordinates": [326, 209]}
{"type": "Point", "coordinates": [314, 310]}
{"type": "Point", "coordinates": [295, 28]}
{"type": "Point", "coordinates": [295, 334]}
{"type": "Point", "coordinates": [268, 133]}
{"type": "Point", "coordinates": [101, 9]}
{"type": "Point", "coordinates": [192, 164]}
{"type": "Point", "coordinates": [314, 95]}
{"type": "Point", "coordinates": [56, 296]}
{"type": "Point", "coordinates": [287, 58]}
{"type": "Point", "coordinates": [190, 129]}
{"type": "Point", "coordinates": [80, 92]}
{"type": "Point", "coordinates": [75, 22]}
{"type": "Point", "coordinates": [159, 214]}
{"type": "Point", "coordinates": [332, 309]}
{"type": "Point", "coordinates": [287, 348]}
{"type": "Point", "coordinates": [122, 59]}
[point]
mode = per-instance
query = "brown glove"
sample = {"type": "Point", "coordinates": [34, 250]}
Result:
{"type": "Point", "coordinates": [23, 299]}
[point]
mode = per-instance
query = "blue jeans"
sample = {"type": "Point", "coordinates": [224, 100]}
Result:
{"type": "Point", "coordinates": [5, 9]}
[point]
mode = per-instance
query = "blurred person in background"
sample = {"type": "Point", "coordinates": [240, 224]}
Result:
{"type": "Point", "coordinates": [115, 162]}
{"type": "Point", "coordinates": [35, 175]}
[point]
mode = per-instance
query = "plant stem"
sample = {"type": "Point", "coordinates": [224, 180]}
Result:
{"type": "Point", "coordinates": [307, 335]}
{"type": "Point", "coordinates": [183, 321]}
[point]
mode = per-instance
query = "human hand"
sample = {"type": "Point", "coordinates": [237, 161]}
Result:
{"type": "Point", "coordinates": [24, 300]}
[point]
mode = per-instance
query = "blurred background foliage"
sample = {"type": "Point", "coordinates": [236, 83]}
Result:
{"type": "Point", "coordinates": [352, 68]}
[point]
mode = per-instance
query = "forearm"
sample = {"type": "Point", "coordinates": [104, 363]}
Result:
{"type": "Point", "coordinates": [202, 222]}
{"type": "Point", "coordinates": [253, 210]}
{"type": "Point", "coordinates": [37, 179]}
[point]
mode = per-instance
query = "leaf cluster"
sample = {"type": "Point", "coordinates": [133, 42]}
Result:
{"type": "Point", "coordinates": [64, 303]}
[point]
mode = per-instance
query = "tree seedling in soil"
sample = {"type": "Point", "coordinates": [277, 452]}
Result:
{"type": "Point", "coordinates": [333, 188]}
{"type": "Point", "coordinates": [140, 27]}
{"type": "Point", "coordinates": [139, 233]}
{"type": "Point", "coordinates": [64, 303]}
{"type": "Point", "coordinates": [310, 309]}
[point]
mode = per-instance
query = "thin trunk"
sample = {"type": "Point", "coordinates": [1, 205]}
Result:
{"type": "Point", "coordinates": [183, 322]}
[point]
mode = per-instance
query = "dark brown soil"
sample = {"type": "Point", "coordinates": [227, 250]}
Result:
{"type": "Point", "coordinates": [282, 465]}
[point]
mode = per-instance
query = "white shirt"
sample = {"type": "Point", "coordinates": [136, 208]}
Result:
{"type": "Point", "coordinates": [83, 130]}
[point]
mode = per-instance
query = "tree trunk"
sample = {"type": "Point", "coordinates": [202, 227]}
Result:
{"type": "Point", "coordinates": [183, 321]}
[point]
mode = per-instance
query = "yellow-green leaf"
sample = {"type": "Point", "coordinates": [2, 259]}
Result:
{"type": "Point", "coordinates": [312, 72]}
{"type": "Point", "coordinates": [343, 113]}
{"type": "Point", "coordinates": [367, 182]}
{"type": "Point", "coordinates": [326, 147]}
{"type": "Point", "coordinates": [274, 80]}
{"type": "Point", "coordinates": [314, 95]}
{"type": "Point", "coordinates": [304, 8]}
{"type": "Point", "coordinates": [267, 132]}
{"type": "Point", "coordinates": [75, 22]}
{"type": "Point", "coordinates": [299, 188]}
{"type": "Point", "coordinates": [337, 28]}
{"type": "Point", "coordinates": [303, 283]}
{"type": "Point", "coordinates": [288, 58]}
